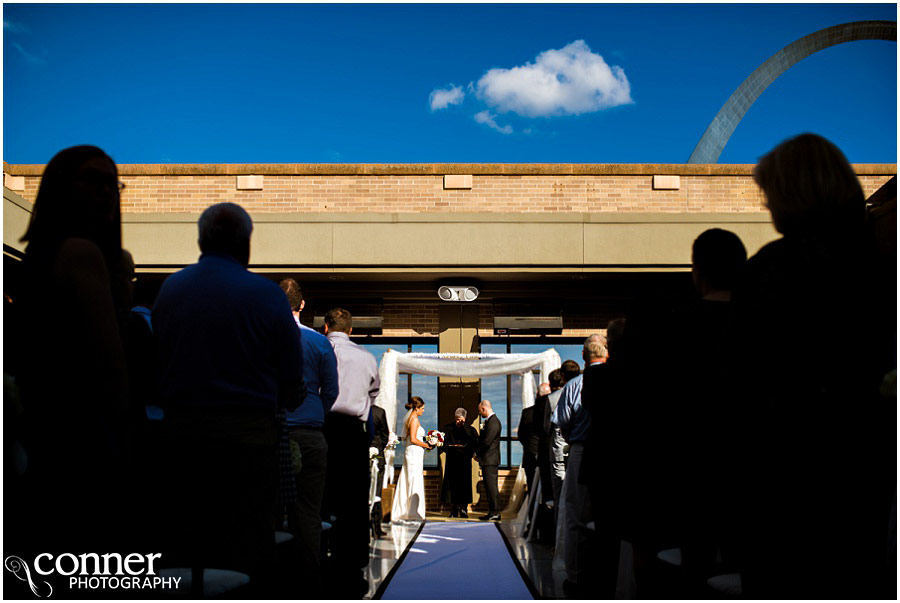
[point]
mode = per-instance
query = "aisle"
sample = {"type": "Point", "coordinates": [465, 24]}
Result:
{"type": "Point", "coordinates": [457, 560]}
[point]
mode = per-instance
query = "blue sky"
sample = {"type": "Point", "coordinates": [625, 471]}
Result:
{"type": "Point", "coordinates": [234, 83]}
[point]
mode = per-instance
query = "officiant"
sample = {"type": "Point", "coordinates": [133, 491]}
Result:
{"type": "Point", "coordinates": [459, 446]}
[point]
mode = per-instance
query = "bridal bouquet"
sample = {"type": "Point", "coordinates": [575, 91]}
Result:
{"type": "Point", "coordinates": [392, 442]}
{"type": "Point", "coordinates": [434, 437]}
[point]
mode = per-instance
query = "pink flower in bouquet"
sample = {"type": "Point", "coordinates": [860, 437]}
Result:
{"type": "Point", "coordinates": [435, 437]}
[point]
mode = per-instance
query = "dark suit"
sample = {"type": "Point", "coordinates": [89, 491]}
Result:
{"type": "Point", "coordinates": [530, 439]}
{"type": "Point", "coordinates": [603, 395]}
{"type": "Point", "coordinates": [541, 408]}
{"type": "Point", "coordinates": [489, 457]}
{"type": "Point", "coordinates": [380, 433]}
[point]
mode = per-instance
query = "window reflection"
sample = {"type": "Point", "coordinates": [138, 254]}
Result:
{"type": "Point", "coordinates": [505, 393]}
{"type": "Point", "coordinates": [426, 387]}
{"type": "Point", "coordinates": [570, 352]}
{"type": "Point", "coordinates": [516, 454]}
{"type": "Point", "coordinates": [411, 385]}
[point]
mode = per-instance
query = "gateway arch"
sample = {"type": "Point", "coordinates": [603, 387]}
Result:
{"type": "Point", "coordinates": [729, 116]}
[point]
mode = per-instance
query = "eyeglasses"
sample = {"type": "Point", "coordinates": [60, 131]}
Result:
{"type": "Point", "coordinates": [99, 182]}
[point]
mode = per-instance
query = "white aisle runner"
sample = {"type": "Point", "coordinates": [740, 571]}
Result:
{"type": "Point", "coordinates": [458, 560]}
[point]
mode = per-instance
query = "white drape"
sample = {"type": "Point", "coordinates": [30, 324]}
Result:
{"type": "Point", "coordinates": [459, 365]}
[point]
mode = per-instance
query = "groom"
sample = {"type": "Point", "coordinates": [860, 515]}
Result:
{"type": "Point", "coordinates": [488, 453]}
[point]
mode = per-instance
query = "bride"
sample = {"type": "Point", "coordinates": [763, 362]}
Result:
{"type": "Point", "coordinates": [409, 497]}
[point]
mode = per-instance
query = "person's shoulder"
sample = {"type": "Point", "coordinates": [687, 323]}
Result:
{"type": "Point", "coordinates": [266, 286]}
{"type": "Point", "coordinates": [364, 353]}
{"type": "Point", "coordinates": [77, 253]}
{"type": "Point", "coordinates": [314, 336]}
{"type": "Point", "coordinates": [360, 348]}
{"type": "Point", "coordinates": [594, 371]}
{"type": "Point", "coordinates": [573, 382]}
{"type": "Point", "coordinates": [772, 251]}
{"type": "Point", "coordinates": [79, 246]}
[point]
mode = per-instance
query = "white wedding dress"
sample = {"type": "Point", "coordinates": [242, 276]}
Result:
{"type": "Point", "coordinates": [409, 496]}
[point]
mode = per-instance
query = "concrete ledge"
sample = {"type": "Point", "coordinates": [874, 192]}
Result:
{"type": "Point", "coordinates": [16, 217]}
{"type": "Point", "coordinates": [437, 169]}
{"type": "Point", "coordinates": [430, 240]}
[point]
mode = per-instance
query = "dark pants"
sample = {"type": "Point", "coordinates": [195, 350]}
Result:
{"type": "Point", "coordinates": [529, 464]}
{"type": "Point", "coordinates": [377, 512]}
{"type": "Point", "coordinates": [491, 488]}
{"type": "Point", "coordinates": [543, 461]}
{"type": "Point", "coordinates": [347, 491]}
{"type": "Point", "coordinates": [224, 492]}
{"type": "Point", "coordinates": [305, 520]}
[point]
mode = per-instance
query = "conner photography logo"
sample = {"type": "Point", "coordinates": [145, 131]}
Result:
{"type": "Point", "coordinates": [90, 571]}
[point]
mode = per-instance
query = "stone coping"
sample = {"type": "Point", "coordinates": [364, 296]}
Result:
{"type": "Point", "coordinates": [468, 218]}
{"type": "Point", "coordinates": [437, 169]}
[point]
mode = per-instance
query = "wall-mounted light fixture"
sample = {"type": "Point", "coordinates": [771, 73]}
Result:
{"type": "Point", "coordinates": [457, 293]}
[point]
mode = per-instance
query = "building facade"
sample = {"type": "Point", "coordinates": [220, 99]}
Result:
{"type": "Point", "coordinates": [554, 250]}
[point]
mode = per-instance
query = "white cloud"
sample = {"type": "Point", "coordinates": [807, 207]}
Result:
{"type": "Point", "coordinates": [31, 58]}
{"type": "Point", "coordinates": [14, 27]}
{"type": "Point", "coordinates": [443, 98]}
{"type": "Point", "coordinates": [487, 118]}
{"type": "Point", "coordinates": [568, 81]}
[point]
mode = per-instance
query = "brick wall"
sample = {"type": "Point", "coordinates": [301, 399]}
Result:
{"type": "Point", "coordinates": [410, 319]}
{"type": "Point", "coordinates": [298, 188]}
{"type": "Point", "coordinates": [420, 319]}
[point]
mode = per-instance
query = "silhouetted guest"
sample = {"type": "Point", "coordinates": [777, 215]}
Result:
{"type": "Point", "coordinates": [528, 436]}
{"type": "Point", "coordinates": [143, 426]}
{"type": "Point", "coordinates": [347, 480]}
{"type": "Point", "coordinates": [704, 448]}
{"type": "Point", "coordinates": [460, 443]}
{"type": "Point", "coordinates": [230, 355]}
{"type": "Point", "coordinates": [820, 471]}
{"type": "Point", "coordinates": [542, 410]}
{"type": "Point", "coordinates": [574, 423]}
{"type": "Point", "coordinates": [604, 467]}
{"type": "Point", "coordinates": [568, 370]}
{"type": "Point", "coordinates": [140, 352]}
{"type": "Point", "coordinates": [380, 433]}
{"type": "Point", "coordinates": [75, 400]}
{"type": "Point", "coordinates": [305, 427]}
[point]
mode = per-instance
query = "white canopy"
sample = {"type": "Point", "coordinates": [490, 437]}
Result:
{"type": "Point", "coordinates": [459, 365]}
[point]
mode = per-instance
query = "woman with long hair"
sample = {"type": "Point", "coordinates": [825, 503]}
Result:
{"type": "Point", "coordinates": [409, 498]}
{"type": "Point", "coordinates": [73, 377]}
{"type": "Point", "coordinates": [816, 439]}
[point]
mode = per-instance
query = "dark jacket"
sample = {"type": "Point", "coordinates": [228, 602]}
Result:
{"type": "Point", "coordinates": [489, 442]}
{"type": "Point", "coordinates": [527, 431]}
{"type": "Point", "coordinates": [381, 433]}
{"type": "Point", "coordinates": [541, 408]}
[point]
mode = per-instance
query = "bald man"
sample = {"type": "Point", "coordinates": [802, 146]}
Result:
{"type": "Point", "coordinates": [489, 457]}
